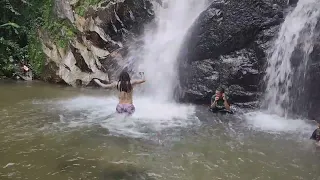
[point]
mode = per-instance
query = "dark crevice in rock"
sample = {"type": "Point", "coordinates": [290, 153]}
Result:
{"type": "Point", "coordinates": [49, 74]}
{"type": "Point", "coordinates": [48, 46]}
{"type": "Point", "coordinates": [80, 62]}
{"type": "Point", "coordinates": [97, 41]}
{"type": "Point", "coordinates": [92, 83]}
{"type": "Point", "coordinates": [67, 67]}
{"type": "Point", "coordinates": [101, 68]}
{"type": "Point", "coordinates": [113, 63]}
{"type": "Point", "coordinates": [78, 82]}
{"type": "Point", "coordinates": [79, 38]}
{"type": "Point", "coordinates": [89, 12]}
{"type": "Point", "coordinates": [125, 19]}
{"type": "Point", "coordinates": [104, 4]}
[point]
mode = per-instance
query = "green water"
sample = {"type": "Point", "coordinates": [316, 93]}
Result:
{"type": "Point", "coordinates": [36, 144]}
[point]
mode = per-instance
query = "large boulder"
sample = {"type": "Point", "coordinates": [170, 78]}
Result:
{"type": "Point", "coordinates": [227, 46]}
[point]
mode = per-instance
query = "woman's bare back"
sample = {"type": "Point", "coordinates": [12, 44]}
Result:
{"type": "Point", "coordinates": [124, 97]}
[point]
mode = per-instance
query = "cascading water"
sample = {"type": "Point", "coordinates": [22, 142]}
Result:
{"type": "Point", "coordinates": [162, 44]}
{"type": "Point", "coordinates": [296, 33]}
{"type": "Point", "coordinates": [285, 72]}
{"type": "Point", "coordinates": [155, 108]}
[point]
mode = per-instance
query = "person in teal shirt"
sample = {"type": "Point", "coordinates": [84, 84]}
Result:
{"type": "Point", "coordinates": [220, 101]}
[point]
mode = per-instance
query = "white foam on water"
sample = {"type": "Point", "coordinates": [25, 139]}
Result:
{"type": "Point", "coordinates": [275, 124]}
{"type": "Point", "coordinates": [296, 31]}
{"type": "Point", "coordinates": [150, 116]}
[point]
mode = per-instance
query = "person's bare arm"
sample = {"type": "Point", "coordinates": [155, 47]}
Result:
{"type": "Point", "coordinates": [226, 105]}
{"type": "Point", "coordinates": [213, 104]}
{"type": "Point", "coordinates": [135, 82]}
{"type": "Point", "coordinates": [107, 86]}
{"type": "Point", "coordinates": [214, 100]}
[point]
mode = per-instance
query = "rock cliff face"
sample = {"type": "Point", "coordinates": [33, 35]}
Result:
{"type": "Point", "coordinates": [98, 48]}
{"type": "Point", "coordinates": [227, 46]}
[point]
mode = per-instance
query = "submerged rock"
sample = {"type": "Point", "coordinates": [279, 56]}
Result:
{"type": "Point", "coordinates": [99, 46]}
{"type": "Point", "coordinates": [227, 46]}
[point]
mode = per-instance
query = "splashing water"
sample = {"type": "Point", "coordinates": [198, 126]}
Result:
{"type": "Point", "coordinates": [162, 44]}
{"type": "Point", "coordinates": [156, 109]}
{"type": "Point", "coordinates": [296, 32]}
{"type": "Point", "coordinates": [148, 118]}
{"type": "Point", "coordinates": [275, 124]}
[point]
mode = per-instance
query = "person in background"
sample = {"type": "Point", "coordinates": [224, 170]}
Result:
{"type": "Point", "coordinates": [125, 87]}
{"type": "Point", "coordinates": [220, 101]}
{"type": "Point", "coordinates": [316, 134]}
{"type": "Point", "coordinates": [24, 68]}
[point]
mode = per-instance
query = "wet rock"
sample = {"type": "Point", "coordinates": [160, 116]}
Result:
{"type": "Point", "coordinates": [98, 49]}
{"type": "Point", "coordinates": [227, 46]}
{"type": "Point", "coordinates": [114, 62]}
{"type": "Point", "coordinates": [312, 93]}
{"type": "Point", "coordinates": [64, 10]}
{"type": "Point", "coordinates": [49, 75]}
{"type": "Point", "coordinates": [307, 97]}
{"type": "Point", "coordinates": [73, 65]}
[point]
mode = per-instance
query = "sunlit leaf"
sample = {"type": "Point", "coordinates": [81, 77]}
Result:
{"type": "Point", "coordinates": [10, 24]}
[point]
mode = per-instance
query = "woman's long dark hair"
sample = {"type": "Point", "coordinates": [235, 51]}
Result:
{"type": "Point", "coordinates": [124, 83]}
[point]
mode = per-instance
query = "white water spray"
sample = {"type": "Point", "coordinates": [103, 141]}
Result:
{"type": "Point", "coordinates": [83, 111]}
{"type": "Point", "coordinates": [162, 45]}
{"type": "Point", "coordinates": [296, 31]}
{"type": "Point", "coordinates": [157, 58]}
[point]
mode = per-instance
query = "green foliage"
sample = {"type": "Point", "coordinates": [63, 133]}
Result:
{"type": "Point", "coordinates": [35, 54]}
{"type": "Point", "coordinates": [20, 21]}
{"type": "Point", "coordinates": [10, 24]}
{"type": "Point", "coordinates": [61, 32]}
{"type": "Point", "coordinates": [80, 10]}
{"type": "Point", "coordinates": [83, 5]}
{"type": "Point", "coordinates": [19, 42]}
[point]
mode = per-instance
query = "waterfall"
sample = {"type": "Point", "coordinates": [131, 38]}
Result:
{"type": "Point", "coordinates": [162, 41]}
{"type": "Point", "coordinates": [284, 71]}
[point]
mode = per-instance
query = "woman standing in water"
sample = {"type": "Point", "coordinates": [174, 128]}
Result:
{"type": "Point", "coordinates": [125, 88]}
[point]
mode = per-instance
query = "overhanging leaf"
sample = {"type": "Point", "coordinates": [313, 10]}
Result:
{"type": "Point", "coordinates": [10, 24]}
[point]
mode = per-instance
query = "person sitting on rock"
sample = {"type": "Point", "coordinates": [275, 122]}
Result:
{"type": "Point", "coordinates": [220, 101]}
{"type": "Point", "coordinates": [24, 68]}
{"type": "Point", "coordinates": [316, 134]}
